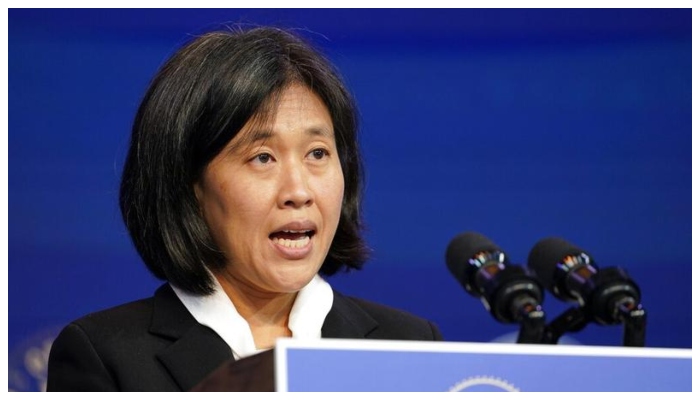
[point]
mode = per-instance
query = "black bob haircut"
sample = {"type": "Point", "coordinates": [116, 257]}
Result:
{"type": "Point", "coordinates": [198, 101]}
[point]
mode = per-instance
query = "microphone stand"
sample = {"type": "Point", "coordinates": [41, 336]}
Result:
{"type": "Point", "coordinates": [532, 326]}
{"type": "Point", "coordinates": [608, 297]}
{"type": "Point", "coordinates": [635, 322]}
{"type": "Point", "coordinates": [572, 320]}
{"type": "Point", "coordinates": [633, 316]}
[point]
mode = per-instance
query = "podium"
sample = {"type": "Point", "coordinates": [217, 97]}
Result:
{"type": "Point", "coordinates": [349, 365]}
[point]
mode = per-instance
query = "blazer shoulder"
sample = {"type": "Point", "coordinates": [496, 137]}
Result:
{"type": "Point", "coordinates": [394, 323]}
{"type": "Point", "coordinates": [126, 347]}
{"type": "Point", "coordinates": [82, 356]}
{"type": "Point", "coordinates": [138, 313]}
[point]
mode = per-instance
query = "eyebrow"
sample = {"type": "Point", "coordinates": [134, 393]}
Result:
{"type": "Point", "coordinates": [244, 140]}
{"type": "Point", "coordinates": [257, 136]}
{"type": "Point", "coordinates": [262, 135]}
{"type": "Point", "coordinates": [319, 131]}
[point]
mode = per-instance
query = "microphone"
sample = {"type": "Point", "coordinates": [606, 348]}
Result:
{"type": "Point", "coordinates": [572, 275]}
{"type": "Point", "coordinates": [510, 292]}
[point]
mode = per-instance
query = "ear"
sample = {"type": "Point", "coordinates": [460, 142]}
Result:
{"type": "Point", "coordinates": [198, 193]}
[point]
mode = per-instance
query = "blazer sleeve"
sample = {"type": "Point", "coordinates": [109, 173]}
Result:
{"type": "Point", "coordinates": [75, 365]}
{"type": "Point", "coordinates": [437, 335]}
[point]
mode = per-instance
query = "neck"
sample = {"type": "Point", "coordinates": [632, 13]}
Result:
{"type": "Point", "coordinates": [267, 313]}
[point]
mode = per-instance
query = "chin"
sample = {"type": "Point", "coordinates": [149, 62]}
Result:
{"type": "Point", "coordinates": [294, 282]}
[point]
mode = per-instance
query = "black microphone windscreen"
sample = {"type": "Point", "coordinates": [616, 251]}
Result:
{"type": "Point", "coordinates": [463, 247]}
{"type": "Point", "coordinates": [545, 256]}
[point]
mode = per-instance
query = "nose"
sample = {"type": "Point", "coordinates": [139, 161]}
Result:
{"type": "Point", "coordinates": [294, 187]}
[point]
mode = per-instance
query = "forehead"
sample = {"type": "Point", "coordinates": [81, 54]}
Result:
{"type": "Point", "coordinates": [299, 96]}
{"type": "Point", "coordinates": [295, 107]}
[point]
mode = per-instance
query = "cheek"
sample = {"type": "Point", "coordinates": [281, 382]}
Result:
{"type": "Point", "coordinates": [224, 205]}
{"type": "Point", "coordinates": [332, 193]}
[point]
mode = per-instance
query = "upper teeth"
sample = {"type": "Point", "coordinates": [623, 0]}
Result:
{"type": "Point", "coordinates": [298, 243]}
{"type": "Point", "coordinates": [291, 231]}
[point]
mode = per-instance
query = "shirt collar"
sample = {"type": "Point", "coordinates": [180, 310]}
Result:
{"type": "Point", "coordinates": [309, 311]}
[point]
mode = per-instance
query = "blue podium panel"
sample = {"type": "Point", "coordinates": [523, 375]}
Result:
{"type": "Point", "coordinates": [332, 365]}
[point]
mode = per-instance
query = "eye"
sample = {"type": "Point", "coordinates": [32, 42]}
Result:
{"type": "Point", "coordinates": [262, 158]}
{"type": "Point", "coordinates": [319, 154]}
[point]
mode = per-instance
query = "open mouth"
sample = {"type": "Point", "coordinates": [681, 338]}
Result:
{"type": "Point", "coordinates": [292, 239]}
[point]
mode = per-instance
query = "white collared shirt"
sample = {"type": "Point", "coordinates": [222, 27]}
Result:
{"type": "Point", "coordinates": [312, 304]}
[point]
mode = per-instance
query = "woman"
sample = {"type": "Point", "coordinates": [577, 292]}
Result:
{"type": "Point", "coordinates": [242, 183]}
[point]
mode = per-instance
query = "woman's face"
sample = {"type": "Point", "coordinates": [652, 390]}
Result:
{"type": "Point", "coordinates": [272, 197]}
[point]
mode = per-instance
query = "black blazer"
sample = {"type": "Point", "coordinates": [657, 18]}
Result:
{"type": "Point", "coordinates": [155, 344]}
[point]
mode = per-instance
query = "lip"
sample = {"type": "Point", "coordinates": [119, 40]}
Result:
{"type": "Point", "coordinates": [304, 225]}
{"type": "Point", "coordinates": [295, 253]}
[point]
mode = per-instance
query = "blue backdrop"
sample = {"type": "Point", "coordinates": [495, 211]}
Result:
{"type": "Point", "coordinates": [519, 124]}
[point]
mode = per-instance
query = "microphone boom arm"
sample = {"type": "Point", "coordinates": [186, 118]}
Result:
{"type": "Point", "coordinates": [635, 322]}
{"type": "Point", "coordinates": [532, 324]}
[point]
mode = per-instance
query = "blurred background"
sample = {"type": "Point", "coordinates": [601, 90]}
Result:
{"type": "Point", "coordinates": [519, 124]}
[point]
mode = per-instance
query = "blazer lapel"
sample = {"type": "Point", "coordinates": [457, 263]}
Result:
{"type": "Point", "coordinates": [346, 320]}
{"type": "Point", "coordinates": [196, 350]}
